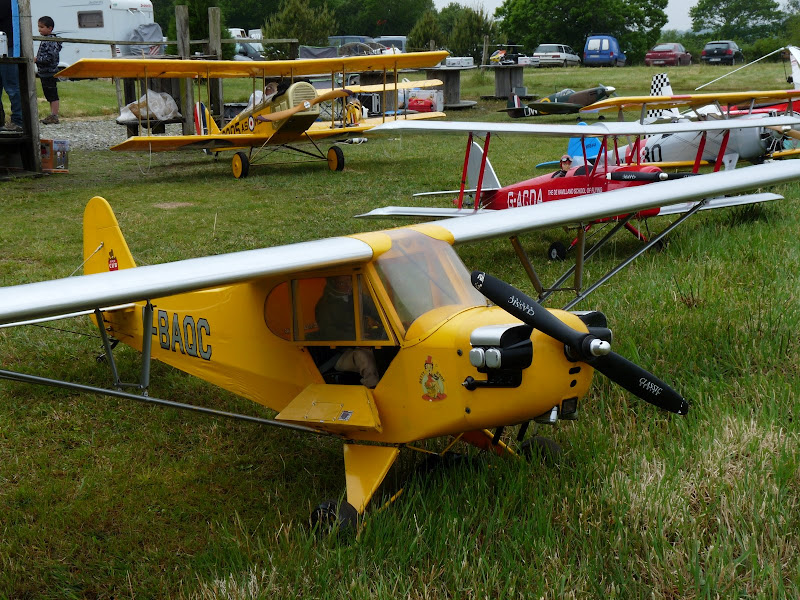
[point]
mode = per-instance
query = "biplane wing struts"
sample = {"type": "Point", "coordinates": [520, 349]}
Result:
{"type": "Point", "coordinates": [278, 116]}
{"type": "Point", "coordinates": [594, 177]}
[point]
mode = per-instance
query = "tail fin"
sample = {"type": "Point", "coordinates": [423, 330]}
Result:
{"type": "Point", "coordinates": [203, 123]}
{"type": "Point", "coordinates": [104, 248]}
{"type": "Point", "coordinates": [794, 59]}
{"type": "Point", "coordinates": [660, 86]}
{"type": "Point", "coordinates": [490, 181]}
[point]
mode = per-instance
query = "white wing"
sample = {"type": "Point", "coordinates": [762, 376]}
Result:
{"type": "Point", "coordinates": [37, 300]}
{"type": "Point", "coordinates": [599, 129]}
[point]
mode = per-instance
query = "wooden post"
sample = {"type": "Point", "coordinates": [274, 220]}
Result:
{"type": "Point", "coordinates": [26, 50]}
{"type": "Point", "coordinates": [215, 49]}
{"type": "Point", "coordinates": [187, 92]}
{"type": "Point", "coordinates": [485, 57]}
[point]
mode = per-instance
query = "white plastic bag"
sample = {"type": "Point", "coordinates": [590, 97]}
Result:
{"type": "Point", "coordinates": [158, 106]}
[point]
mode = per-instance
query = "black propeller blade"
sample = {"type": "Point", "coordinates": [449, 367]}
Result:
{"type": "Point", "coordinates": [581, 346]}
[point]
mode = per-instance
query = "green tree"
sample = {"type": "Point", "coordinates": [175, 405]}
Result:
{"type": "Point", "coordinates": [469, 29]}
{"type": "Point", "coordinates": [426, 29]}
{"type": "Point", "coordinates": [741, 20]}
{"type": "Point", "coordinates": [248, 14]}
{"type": "Point", "coordinates": [198, 25]}
{"type": "Point", "coordinates": [297, 19]}
{"type": "Point", "coordinates": [635, 23]}
{"type": "Point", "coordinates": [378, 17]}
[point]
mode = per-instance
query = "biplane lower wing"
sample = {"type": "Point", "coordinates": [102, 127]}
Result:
{"type": "Point", "coordinates": [221, 142]}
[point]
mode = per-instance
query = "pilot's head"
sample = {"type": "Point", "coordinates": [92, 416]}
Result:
{"type": "Point", "coordinates": [566, 162]}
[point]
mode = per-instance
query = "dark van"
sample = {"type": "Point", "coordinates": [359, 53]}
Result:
{"type": "Point", "coordinates": [603, 51]}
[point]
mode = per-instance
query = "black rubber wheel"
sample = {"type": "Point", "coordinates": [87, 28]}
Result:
{"type": "Point", "coordinates": [557, 251]}
{"type": "Point", "coordinates": [335, 158]}
{"type": "Point", "coordinates": [544, 449]}
{"type": "Point", "coordinates": [240, 165]}
{"type": "Point", "coordinates": [330, 516]}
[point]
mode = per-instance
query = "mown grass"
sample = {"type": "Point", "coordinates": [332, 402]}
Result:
{"type": "Point", "coordinates": [102, 498]}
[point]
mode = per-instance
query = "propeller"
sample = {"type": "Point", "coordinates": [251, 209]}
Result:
{"type": "Point", "coordinates": [304, 105]}
{"type": "Point", "coordinates": [581, 346]}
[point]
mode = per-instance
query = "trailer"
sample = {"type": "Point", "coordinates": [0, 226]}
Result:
{"type": "Point", "coordinates": [106, 20]}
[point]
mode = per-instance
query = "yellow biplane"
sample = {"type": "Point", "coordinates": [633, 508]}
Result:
{"type": "Point", "coordinates": [277, 118]}
{"type": "Point", "coordinates": [453, 355]}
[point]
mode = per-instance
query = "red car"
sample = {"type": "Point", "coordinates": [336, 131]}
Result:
{"type": "Point", "coordinates": [668, 54]}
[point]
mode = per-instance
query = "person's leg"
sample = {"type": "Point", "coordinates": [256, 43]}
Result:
{"type": "Point", "coordinates": [9, 73]}
{"type": "Point", "coordinates": [361, 361]}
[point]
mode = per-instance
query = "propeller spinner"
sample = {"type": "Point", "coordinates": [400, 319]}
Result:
{"type": "Point", "coordinates": [581, 346]}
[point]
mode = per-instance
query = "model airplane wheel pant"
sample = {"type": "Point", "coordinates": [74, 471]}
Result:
{"type": "Point", "coordinates": [335, 158]}
{"type": "Point", "coordinates": [240, 165]}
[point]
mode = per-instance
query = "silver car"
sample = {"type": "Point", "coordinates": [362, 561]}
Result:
{"type": "Point", "coordinates": [556, 55]}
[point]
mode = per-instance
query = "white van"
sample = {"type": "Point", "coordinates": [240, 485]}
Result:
{"type": "Point", "coordinates": [92, 20]}
{"type": "Point", "coordinates": [396, 41]}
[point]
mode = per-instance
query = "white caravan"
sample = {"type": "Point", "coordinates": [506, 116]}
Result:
{"type": "Point", "coordinates": [109, 20]}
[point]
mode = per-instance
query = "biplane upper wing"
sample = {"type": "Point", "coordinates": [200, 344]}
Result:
{"type": "Point", "coordinates": [599, 129]}
{"type": "Point", "coordinates": [72, 294]}
{"type": "Point", "coordinates": [693, 100]}
{"type": "Point", "coordinates": [223, 69]}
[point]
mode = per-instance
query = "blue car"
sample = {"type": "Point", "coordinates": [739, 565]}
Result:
{"type": "Point", "coordinates": [603, 51]}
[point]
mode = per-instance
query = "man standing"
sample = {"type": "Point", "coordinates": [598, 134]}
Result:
{"type": "Point", "coordinates": [9, 73]}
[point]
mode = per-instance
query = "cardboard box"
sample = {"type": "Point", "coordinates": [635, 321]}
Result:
{"type": "Point", "coordinates": [55, 156]}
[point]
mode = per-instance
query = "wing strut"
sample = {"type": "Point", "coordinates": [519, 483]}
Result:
{"type": "Point", "coordinates": [483, 168]}
{"type": "Point", "coordinates": [464, 172]}
{"type": "Point", "coordinates": [33, 379]}
{"type": "Point", "coordinates": [582, 257]}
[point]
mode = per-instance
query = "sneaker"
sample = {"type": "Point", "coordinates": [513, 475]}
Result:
{"type": "Point", "coordinates": [50, 120]}
{"type": "Point", "coordinates": [13, 127]}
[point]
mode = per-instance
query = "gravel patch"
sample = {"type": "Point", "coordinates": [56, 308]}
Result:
{"type": "Point", "coordinates": [95, 134]}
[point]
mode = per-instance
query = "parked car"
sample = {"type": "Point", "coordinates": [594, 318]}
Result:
{"type": "Point", "coordinates": [722, 52]}
{"type": "Point", "coordinates": [603, 51]}
{"type": "Point", "coordinates": [668, 54]}
{"type": "Point", "coordinates": [246, 51]}
{"type": "Point", "coordinates": [556, 55]}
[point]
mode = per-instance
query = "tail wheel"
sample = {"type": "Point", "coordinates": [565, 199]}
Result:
{"type": "Point", "coordinates": [240, 165]}
{"type": "Point", "coordinates": [330, 515]}
{"type": "Point", "coordinates": [557, 251]}
{"type": "Point", "coordinates": [335, 158]}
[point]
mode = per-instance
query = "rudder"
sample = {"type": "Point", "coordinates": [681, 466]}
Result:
{"type": "Point", "coordinates": [203, 123]}
{"type": "Point", "coordinates": [104, 247]}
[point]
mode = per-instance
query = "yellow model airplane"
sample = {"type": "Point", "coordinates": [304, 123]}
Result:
{"type": "Point", "coordinates": [445, 361]}
{"type": "Point", "coordinates": [277, 118]}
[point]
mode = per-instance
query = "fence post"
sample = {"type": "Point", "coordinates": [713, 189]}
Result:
{"type": "Point", "coordinates": [184, 52]}
{"type": "Point", "coordinates": [26, 51]}
{"type": "Point", "coordinates": [485, 57]}
{"type": "Point", "coordinates": [215, 49]}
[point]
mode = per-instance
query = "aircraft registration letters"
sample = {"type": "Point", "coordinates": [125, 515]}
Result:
{"type": "Point", "coordinates": [186, 335]}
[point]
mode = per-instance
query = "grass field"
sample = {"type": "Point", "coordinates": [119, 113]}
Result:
{"type": "Point", "coordinates": [105, 499]}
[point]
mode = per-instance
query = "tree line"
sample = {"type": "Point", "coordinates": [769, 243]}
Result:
{"type": "Point", "coordinates": [759, 27]}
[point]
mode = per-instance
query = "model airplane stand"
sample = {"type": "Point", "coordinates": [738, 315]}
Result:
{"type": "Point", "coordinates": [451, 76]}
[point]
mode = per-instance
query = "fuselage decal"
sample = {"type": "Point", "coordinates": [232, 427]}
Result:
{"type": "Point", "coordinates": [187, 336]}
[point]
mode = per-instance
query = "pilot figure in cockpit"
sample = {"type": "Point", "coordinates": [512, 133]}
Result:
{"type": "Point", "coordinates": [565, 164]}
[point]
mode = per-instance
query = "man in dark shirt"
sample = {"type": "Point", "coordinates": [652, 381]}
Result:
{"type": "Point", "coordinates": [9, 73]}
{"type": "Point", "coordinates": [335, 315]}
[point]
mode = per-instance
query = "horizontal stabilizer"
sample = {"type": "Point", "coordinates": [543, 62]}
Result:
{"type": "Point", "coordinates": [723, 202]}
{"type": "Point", "coordinates": [423, 211]}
